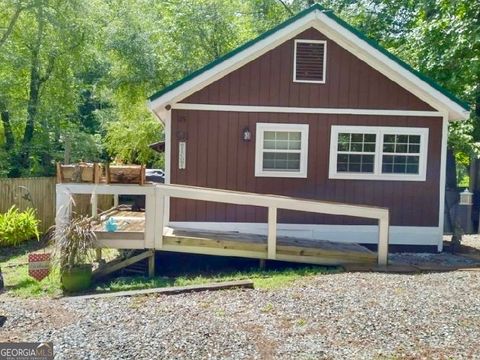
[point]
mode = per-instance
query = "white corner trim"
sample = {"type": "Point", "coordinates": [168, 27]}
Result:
{"type": "Point", "coordinates": [379, 131]}
{"type": "Point", "coordinates": [259, 150]}
{"type": "Point", "coordinates": [324, 42]}
{"type": "Point", "coordinates": [304, 110]}
{"type": "Point", "coordinates": [443, 179]}
{"type": "Point", "coordinates": [363, 234]}
{"type": "Point", "coordinates": [168, 161]}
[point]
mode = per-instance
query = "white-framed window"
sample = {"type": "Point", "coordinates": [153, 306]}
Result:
{"type": "Point", "coordinates": [281, 150]}
{"type": "Point", "coordinates": [378, 153]}
{"type": "Point", "coordinates": [310, 61]}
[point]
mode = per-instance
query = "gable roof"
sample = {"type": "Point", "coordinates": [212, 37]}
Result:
{"type": "Point", "coordinates": [339, 31]}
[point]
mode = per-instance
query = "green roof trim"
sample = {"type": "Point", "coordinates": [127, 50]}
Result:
{"type": "Point", "coordinates": [234, 51]}
{"type": "Point", "coordinates": [399, 61]}
{"type": "Point", "coordinates": [342, 23]}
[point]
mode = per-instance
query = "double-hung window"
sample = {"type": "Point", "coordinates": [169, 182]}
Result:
{"type": "Point", "coordinates": [378, 153]}
{"type": "Point", "coordinates": [281, 150]}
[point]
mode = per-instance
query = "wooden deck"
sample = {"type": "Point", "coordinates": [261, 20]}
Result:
{"type": "Point", "coordinates": [131, 226]}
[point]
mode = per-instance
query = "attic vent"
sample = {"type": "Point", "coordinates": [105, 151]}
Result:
{"type": "Point", "coordinates": [310, 61]}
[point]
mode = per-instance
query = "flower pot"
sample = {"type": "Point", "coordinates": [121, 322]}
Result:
{"type": "Point", "coordinates": [78, 278]}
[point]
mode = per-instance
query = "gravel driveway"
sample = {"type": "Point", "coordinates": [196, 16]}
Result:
{"type": "Point", "coordinates": [340, 316]}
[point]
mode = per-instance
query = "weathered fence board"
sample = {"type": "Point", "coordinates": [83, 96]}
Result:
{"type": "Point", "coordinates": [39, 193]}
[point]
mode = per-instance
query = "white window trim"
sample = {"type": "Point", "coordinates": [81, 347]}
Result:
{"type": "Point", "coordinates": [260, 130]}
{"type": "Point", "coordinates": [324, 61]}
{"type": "Point", "coordinates": [379, 131]}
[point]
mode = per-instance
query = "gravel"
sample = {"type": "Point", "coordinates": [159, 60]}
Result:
{"type": "Point", "coordinates": [336, 316]}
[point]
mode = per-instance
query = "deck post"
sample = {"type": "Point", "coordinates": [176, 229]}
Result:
{"type": "Point", "coordinates": [383, 239]}
{"type": "Point", "coordinates": [151, 264]}
{"type": "Point", "coordinates": [63, 206]}
{"type": "Point", "coordinates": [159, 216]}
{"type": "Point", "coordinates": [115, 200]}
{"type": "Point", "coordinates": [272, 233]}
{"type": "Point", "coordinates": [150, 219]}
{"type": "Point", "coordinates": [94, 202]}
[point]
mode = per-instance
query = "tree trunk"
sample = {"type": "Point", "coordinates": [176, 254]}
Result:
{"type": "Point", "coordinates": [451, 181]}
{"type": "Point", "coordinates": [7, 131]}
{"type": "Point", "coordinates": [33, 100]}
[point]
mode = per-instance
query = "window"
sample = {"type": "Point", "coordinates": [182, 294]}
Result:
{"type": "Point", "coordinates": [309, 63]}
{"type": "Point", "coordinates": [378, 153]}
{"type": "Point", "coordinates": [281, 150]}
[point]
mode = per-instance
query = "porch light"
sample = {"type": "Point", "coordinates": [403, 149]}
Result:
{"type": "Point", "coordinates": [247, 135]}
{"type": "Point", "coordinates": [466, 197]}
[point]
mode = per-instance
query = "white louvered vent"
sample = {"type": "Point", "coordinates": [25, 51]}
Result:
{"type": "Point", "coordinates": [310, 61]}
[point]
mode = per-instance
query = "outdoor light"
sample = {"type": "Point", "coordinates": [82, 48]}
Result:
{"type": "Point", "coordinates": [247, 135]}
{"type": "Point", "coordinates": [466, 197]}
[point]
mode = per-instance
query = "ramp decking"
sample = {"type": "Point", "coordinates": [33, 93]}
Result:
{"type": "Point", "coordinates": [130, 228]}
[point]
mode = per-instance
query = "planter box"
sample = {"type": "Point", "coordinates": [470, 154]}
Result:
{"type": "Point", "coordinates": [79, 173]}
{"type": "Point", "coordinates": [125, 174]}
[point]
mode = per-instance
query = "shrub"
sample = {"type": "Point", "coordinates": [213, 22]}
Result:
{"type": "Point", "coordinates": [18, 226]}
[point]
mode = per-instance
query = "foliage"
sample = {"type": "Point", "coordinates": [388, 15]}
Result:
{"type": "Point", "coordinates": [18, 226]}
{"type": "Point", "coordinates": [74, 75]}
{"type": "Point", "coordinates": [73, 242]}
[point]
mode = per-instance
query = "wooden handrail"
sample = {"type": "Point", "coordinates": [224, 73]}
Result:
{"type": "Point", "coordinates": [156, 195]}
{"type": "Point", "coordinates": [274, 202]}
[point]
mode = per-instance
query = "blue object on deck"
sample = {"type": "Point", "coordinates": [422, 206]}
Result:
{"type": "Point", "coordinates": [111, 225]}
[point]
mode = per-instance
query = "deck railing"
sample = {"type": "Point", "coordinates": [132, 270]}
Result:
{"type": "Point", "coordinates": [156, 216]}
{"type": "Point", "coordinates": [273, 203]}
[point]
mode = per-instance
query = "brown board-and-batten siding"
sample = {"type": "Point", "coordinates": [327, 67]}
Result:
{"type": "Point", "coordinates": [268, 81]}
{"type": "Point", "coordinates": [217, 157]}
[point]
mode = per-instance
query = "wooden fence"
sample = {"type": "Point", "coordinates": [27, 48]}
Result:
{"type": "Point", "coordinates": [39, 193]}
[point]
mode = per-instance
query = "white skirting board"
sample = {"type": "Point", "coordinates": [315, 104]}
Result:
{"type": "Point", "coordinates": [363, 234]}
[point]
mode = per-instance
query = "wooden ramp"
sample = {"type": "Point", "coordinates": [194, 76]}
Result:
{"type": "Point", "coordinates": [255, 246]}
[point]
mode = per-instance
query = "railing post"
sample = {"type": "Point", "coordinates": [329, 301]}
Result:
{"type": "Point", "coordinates": [159, 216]}
{"type": "Point", "coordinates": [94, 202]}
{"type": "Point", "coordinates": [272, 233]}
{"type": "Point", "coordinates": [383, 228]}
{"type": "Point", "coordinates": [63, 207]}
{"type": "Point", "coordinates": [150, 214]}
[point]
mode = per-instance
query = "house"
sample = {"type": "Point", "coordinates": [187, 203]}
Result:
{"type": "Point", "coordinates": [310, 132]}
{"type": "Point", "coordinates": [311, 109]}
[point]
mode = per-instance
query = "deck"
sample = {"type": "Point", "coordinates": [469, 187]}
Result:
{"type": "Point", "coordinates": [131, 228]}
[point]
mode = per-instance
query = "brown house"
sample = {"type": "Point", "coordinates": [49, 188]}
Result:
{"type": "Point", "coordinates": [311, 109]}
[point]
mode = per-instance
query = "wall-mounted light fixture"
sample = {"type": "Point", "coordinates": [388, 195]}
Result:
{"type": "Point", "coordinates": [246, 135]}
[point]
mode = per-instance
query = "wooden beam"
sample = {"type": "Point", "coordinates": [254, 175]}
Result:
{"type": "Point", "coordinates": [272, 232]}
{"type": "Point", "coordinates": [282, 202]}
{"type": "Point", "coordinates": [151, 264]}
{"type": "Point", "coordinates": [117, 265]}
{"type": "Point", "coordinates": [383, 229]}
{"type": "Point", "coordinates": [174, 290]}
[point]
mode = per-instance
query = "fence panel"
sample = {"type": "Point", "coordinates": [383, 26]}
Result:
{"type": "Point", "coordinates": [39, 193]}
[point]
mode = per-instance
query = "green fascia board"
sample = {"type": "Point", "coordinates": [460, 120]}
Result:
{"type": "Point", "coordinates": [342, 23]}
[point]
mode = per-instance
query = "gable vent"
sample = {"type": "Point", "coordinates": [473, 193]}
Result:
{"type": "Point", "coordinates": [310, 61]}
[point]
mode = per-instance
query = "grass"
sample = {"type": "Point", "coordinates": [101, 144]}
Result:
{"type": "Point", "coordinates": [263, 279]}
{"type": "Point", "coordinates": [14, 265]}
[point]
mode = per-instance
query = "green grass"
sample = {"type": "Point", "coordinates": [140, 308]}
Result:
{"type": "Point", "coordinates": [14, 265]}
{"type": "Point", "coordinates": [263, 279]}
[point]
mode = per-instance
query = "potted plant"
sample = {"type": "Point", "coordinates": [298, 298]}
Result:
{"type": "Point", "coordinates": [73, 252]}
